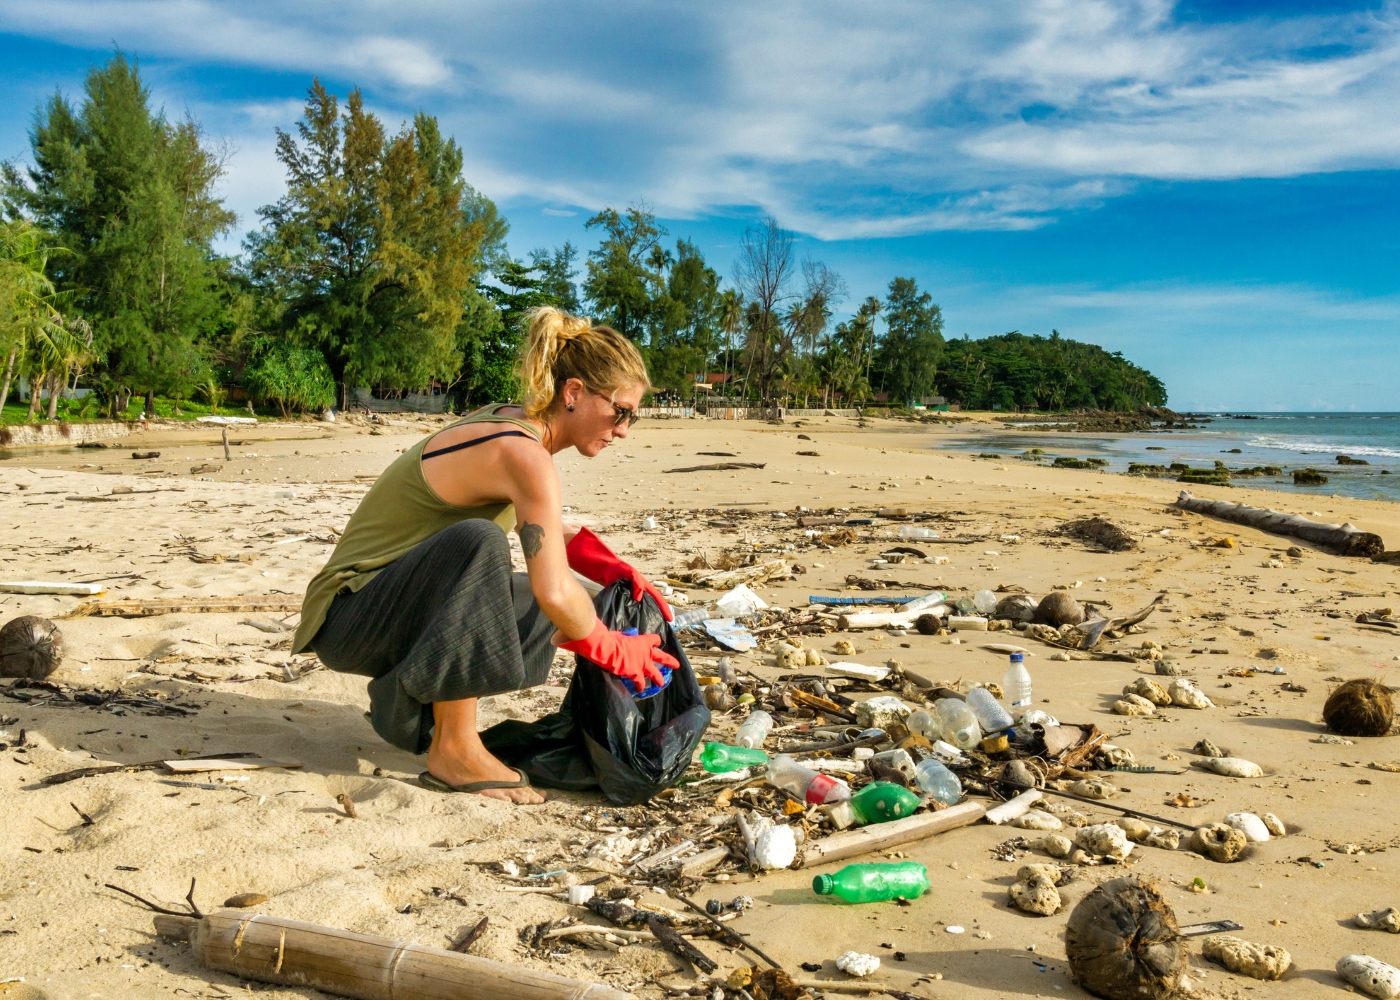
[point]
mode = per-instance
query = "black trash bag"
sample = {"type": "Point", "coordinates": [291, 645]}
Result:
{"type": "Point", "coordinates": [602, 737]}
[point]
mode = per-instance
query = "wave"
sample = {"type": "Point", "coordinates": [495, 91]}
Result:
{"type": "Point", "coordinates": [1307, 447]}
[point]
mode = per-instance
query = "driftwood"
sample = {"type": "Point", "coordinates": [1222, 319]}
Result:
{"type": "Point", "coordinates": [290, 953]}
{"type": "Point", "coordinates": [150, 765]}
{"type": "Point", "coordinates": [879, 836]}
{"type": "Point", "coordinates": [679, 946]}
{"type": "Point", "coordinates": [149, 607]}
{"type": "Point", "coordinates": [720, 467]}
{"type": "Point", "coordinates": [1346, 539]}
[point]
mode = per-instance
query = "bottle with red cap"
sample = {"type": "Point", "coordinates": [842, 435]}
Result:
{"type": "Point", "coordinates": [810, 786]}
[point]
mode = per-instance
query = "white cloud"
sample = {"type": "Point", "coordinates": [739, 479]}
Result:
{"type": "Point", "coordinates": [844, 121]}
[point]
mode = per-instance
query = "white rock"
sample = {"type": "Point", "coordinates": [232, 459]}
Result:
{"type": "Point", "coordinates": [1250, 825]}
{"type": "Point", "coordinates": [1104, 838]}
{"type": "Point", "coordinates": [775, 847]}
{"type": "Point", "coordinates": [1054, 845]}
{"type": "Point", "coordinates": [1145, 687]}
{"type": "Point", "coordinates": [1380, 920]}
{"type": "Point", "coordinates": [1036, 894]}
{"type": "Point", "coordinates": [1036, 820]}
{"type": "Point", "coordinates": [1132, 704]}
{"type": "Point", "coordinates": [1274, 825]}
{"type": "Point", "coordinates": [1185, 694]}
{"type": "Point", "coordinates": [1230, 767]}
{"type": "Point", "coordinates": [1167, 840]}
{"type": "Point", "coordinates": [1370, 975]}
{"type": "Point", "coordinates": [853, 963]}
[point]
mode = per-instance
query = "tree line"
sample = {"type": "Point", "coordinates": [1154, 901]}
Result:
{"type": "Point", "coordinates": [381, 266]}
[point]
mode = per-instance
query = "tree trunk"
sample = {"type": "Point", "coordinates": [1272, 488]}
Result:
{"type": "Point", "coordinates": [9, 375]}
{"type": "Point", "coordinates": [150, 402]}
{"type": "Point", "coordinates": [1345, 539]}
{"type": "Point", "coordinates": [33, 397]}
{"type": "Point", "coordinates": [56, 381]}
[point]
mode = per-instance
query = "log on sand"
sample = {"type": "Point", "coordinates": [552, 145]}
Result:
{"type": "Point", "coordinates": [290, 953]}
{"type": "Point", "coordinates": [879, 836]}
{"type": "Point", "coordinates": [1346, 539]}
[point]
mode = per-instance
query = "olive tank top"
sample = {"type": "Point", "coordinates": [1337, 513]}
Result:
{"type": "Point", "coordinates": [399, 511]}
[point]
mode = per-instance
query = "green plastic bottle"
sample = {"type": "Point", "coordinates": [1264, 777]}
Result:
{"type": "Point", "coordinates": [877, 802]}
{"type": "Point", "coordinates": [873, 883]}
{"type": "Point", "coordinates": [718, 757]}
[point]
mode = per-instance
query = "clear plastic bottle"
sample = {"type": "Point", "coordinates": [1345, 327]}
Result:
{"type": "Point", "coordinates": [990, 715]}
{"type": "Point", "coordinates": [810, 786]}
{"type": "Point", "coordinates": [718, 758]}
{"type": "Point", "coordinates": [908, 531]}
{"type": "Point", "coordinates": [691, 616]}
{"type": "Point", "coordinates": [958, 723]}
{"type": "Point", "coordinates": [984, 601]}
{"type": "Point", "coordinates": [756, 727]}
{"type": "Point", "coordinates": [924, 603]}
{"type": "Point", "coordinates": [1017, 684]}
{"type": "Point", "coordinates": [923, 723]}
{"type": "Point", "coordinates": [937, 781]}
{"type": "Point", "coordinates": [874, 883]}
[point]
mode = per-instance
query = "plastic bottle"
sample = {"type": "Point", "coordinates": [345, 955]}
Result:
{"type": "Point", "coordinates": [874, 883]}
{"type": "Point", "coordinates": [937, 781]}
{"type": "Point", "coordinates": [908, 531]}
{"type": "Point", "coordinates": [691, 616]}
{"type": "Point", "coordinates": [990, 715]}
{"type": "Point", "coordinates": [924, 603]}
{"type": "Point", "coordinates": [725, 667]}
{"type": "Point", "coordinates": [812, 787]}
{"type": "Point", "coordinates": [877, 802]}
{"type": "Point", "coordinates": [718, 758]}
{"type": "Point", "coordinates": [755, 729]}
{"type": "Point", "coordinates": [923, 723]}
{"type": "Point", "coordinates": [984, 601]}
{"type": "Point", "coordinates": [1017, 683]}
{"type": "Point", "coordinates": [958, 723]}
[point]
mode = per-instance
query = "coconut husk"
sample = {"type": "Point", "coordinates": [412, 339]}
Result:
{"type": "Point", "coordinates": [1059, 608]}
{"type": "Point", "coordinates": [1123, 943]}
{"type": "Point", "coordinates": [1361, 707]}
{"type": "Point", "coordinates": [31, 648]}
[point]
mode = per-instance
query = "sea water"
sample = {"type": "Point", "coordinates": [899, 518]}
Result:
{"type": "Point", "coordinates": [1288, 440]}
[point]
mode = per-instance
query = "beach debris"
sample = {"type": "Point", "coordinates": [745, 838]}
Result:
{"type": "Point", "coordinates": [1034, 892]}
{"type": "Point", "coordinates": [775, 847]}
{"type": "Point", "coordinates": [1245, 958]}
{"type": "Point", "coordinates": [881, 712]}
{"type": "Point", "coordinates": [51, 587]}
{"type": "Point", "coordinates": [855, 963]}
{"type": "Point", "coordinates": [1099, 531]}
{"type": "Point", "coordinates": [1360, 707]}
{"type": "Point", "coordinates": [844, 647]}
{"type": "Point", "coordinates": [1164, 838]}
{"type": "Point", "coordinates": [1219, 842]}
{"type": "Point", "coordinates": [739, 602]}
{"type": "Point", "coordinates": [1104, 839]}
{"type": "Point", "coordinates": [31, 648]}
{"type": "Point", "coordinates": [149, 607]}
{"type": "Point", "coordinates": [1274, 825]}
{"type": "Point", "coordinates": [1370, 975]}
{"type": "Point", "coordinates": [719, 467]}
{"type": "Point", "coordinates": [672, 941]}
{"type": "Point", "coordinates": [348, 804]}
{"type": "Point", "coordinates": [1379, 920]}
{"type": "Point", "coordinates": [1093, 788]}
{"type": "Point", "coordinates": [1205, 748]}
{"type": "Point", "coordinates": [193, 766]}
{"type": "Point", "coordinates": [1185, 694]}
{"type": "Point", "coordinates": [882, 836]}
{"type": "Point", "coordinates": [1146, 687]}
{"type": "Point", "coordinates": [1054, 844]}
{"type": "Point", "coordinates": [1254, 828]}
{"type": "Point", "coordinates": [1058, 608]}
{"type": "Point", "coordinates": [1230, 767]}
{"type": "Point", "coordinates": [246, 899]}
{"type": "Point", "coordinates": [1037, 819]}
{"type": "Point", "coordinates": [145, 454]}
{"type": "Point", "coordinates": [1016, 608]}
{"type": "Point", "coordinates": [1132, 704]}
{"type": "Point", "coordinates": [1346, 539]}
{"type": "Point", "coordinates": [1122, 942]}
{"type": "Point", "coordinates": [1012, 808]}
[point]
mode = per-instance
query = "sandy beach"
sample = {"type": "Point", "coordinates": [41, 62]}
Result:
{"type": "Point", "coordinates": [418, 866]}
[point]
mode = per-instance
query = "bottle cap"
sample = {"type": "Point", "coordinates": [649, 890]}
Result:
{"type": "Point", "coordinates": [823, 885]}
{"type": "Point", "coordinates": [1018, 657]}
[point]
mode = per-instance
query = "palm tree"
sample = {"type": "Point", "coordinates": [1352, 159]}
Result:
{"type": "Point", "coordinates": [731, 318]}
{"type": "Point", "coordinates": [34, 336]}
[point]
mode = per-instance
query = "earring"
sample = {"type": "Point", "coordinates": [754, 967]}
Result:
{"type": "Point", "coordinates": [570, 407]}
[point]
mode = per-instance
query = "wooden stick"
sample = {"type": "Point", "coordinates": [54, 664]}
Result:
{"type": "Point", "coordinates": [149, 607]}
{"type": "Point", "coordinates": [879, 836]}
{"type": "Point", "coordinates": [1347, 539]}
{"type": "Point", "coordinates": [150, 765]}
{"type": "Point", "coordinates": [287, 952]}
{"type": "Point", "coordinates": [680, 947]}
{"type": "Point", "coordinates": [469, 938]}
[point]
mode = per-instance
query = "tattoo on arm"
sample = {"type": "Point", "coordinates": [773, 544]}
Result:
{"type": "Point", "coordinates": [531, 538]}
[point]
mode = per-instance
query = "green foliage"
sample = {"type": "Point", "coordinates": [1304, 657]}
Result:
{"type": "Point", "coordinates": [908, 355]}
{"type": "Point", "coordinates": [132, 194]}
{"type": "Point", "coordinates": [291, 378]}
{"type": "Point", "coordinates": [371, 254]}
{"type": "Point", "coordinates": [1050, 373]}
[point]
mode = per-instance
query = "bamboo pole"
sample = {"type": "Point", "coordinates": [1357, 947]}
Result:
{"type": "Point", "coordinates": [879, 836]}
{"type": "Point", "coordinates": [290, 953]}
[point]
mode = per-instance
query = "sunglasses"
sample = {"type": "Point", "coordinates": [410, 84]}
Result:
{"type": "Point", "coordinates": [622, 415]}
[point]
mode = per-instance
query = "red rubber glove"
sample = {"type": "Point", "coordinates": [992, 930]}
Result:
{"type": "Point", "coordinates": [588, 555]}
{"type": "Point", "coordinates": [634, 658]}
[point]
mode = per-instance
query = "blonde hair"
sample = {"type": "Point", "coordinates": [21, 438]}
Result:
{"type": "Point", "coordinates": [560, 346]}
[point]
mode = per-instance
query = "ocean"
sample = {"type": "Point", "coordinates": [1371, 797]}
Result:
{"type": "Point", "coordinates": [1288, 440]}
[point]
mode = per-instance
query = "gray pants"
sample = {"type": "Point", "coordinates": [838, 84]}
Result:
{"type": "Point", "coordinates": [448, 620]}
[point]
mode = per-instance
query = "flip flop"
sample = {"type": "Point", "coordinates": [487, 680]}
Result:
{"type": "Point", "coordinates": [428, 780]}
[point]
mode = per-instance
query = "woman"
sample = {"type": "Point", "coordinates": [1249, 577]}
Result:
{"type": "Point", "coordinates": [419, 592]}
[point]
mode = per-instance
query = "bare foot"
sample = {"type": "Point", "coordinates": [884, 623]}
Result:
{"type": "Point", "coordinates": [480, 765]}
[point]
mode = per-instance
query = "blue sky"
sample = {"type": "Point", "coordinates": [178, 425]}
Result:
{"type": "Point", "coordinates": [1210, 190]}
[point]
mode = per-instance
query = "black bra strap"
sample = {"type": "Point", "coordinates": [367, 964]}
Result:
{"type": "Point", "coordinates": [476, 441]}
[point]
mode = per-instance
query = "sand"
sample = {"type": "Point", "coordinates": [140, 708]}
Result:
{"type": "Point", "coordinates": [262, 524]}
